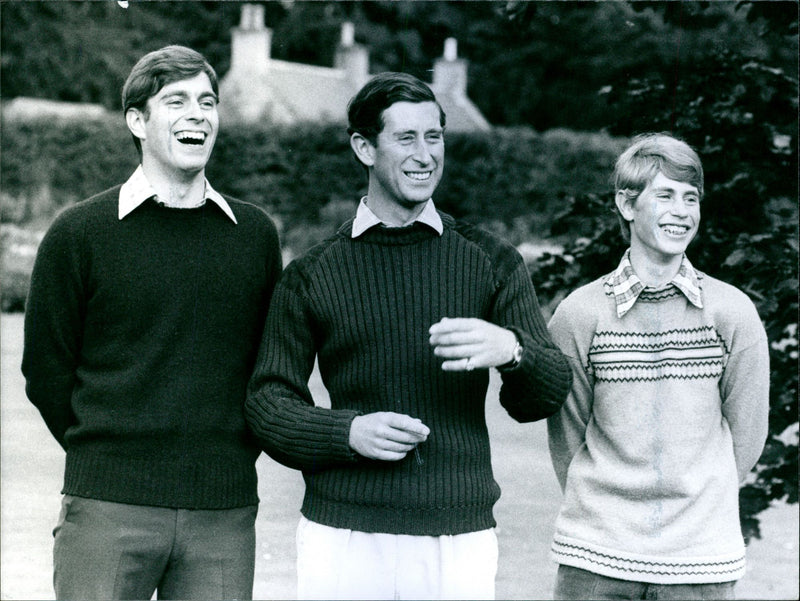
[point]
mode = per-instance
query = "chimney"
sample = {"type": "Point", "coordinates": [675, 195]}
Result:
{"type": "Point", "coordinates": [449, 71]}
{"type": "Point", "coordinates": [352, 58]}
{"type": "Point", "coordinates": [251, 41]}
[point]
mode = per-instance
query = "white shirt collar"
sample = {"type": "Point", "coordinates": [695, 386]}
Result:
{"type": "Point", "coordinates": [366, 219]}
{"type": "Point", "coordinates": [137, 189]}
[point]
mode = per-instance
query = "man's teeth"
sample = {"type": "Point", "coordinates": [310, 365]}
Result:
{"type": "Point", "coordinates": [675, 230]}
{"type": "Point", "coordinates": [419, 175]}
{"type": "Point", "coordinates": [190, 137]}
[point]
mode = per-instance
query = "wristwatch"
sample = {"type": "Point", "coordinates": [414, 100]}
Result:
{"type": "Point", "coordinates": [516, 357]}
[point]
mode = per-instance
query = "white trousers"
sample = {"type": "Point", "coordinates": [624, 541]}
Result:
{"type": "Point", "coordinates": [334, 563]}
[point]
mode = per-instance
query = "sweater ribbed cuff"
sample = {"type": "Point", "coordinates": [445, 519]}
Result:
{"type": "Point", "coordinates": [543, 369]}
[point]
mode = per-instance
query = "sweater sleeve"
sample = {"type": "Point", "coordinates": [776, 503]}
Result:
{"type": "Point", "coordinates": [535, 388]}
{"type": "Point", "coordinates": [744, 388]}
{"type": "Point", "coordinates": [279, 408]}
{"type": "Point", "coordinates": [566, 429]}
{"type": "Point", "coordinates": [54, 315]}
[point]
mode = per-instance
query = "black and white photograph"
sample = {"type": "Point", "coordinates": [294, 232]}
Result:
{"type": "Point", "coordinates": [396, 299]}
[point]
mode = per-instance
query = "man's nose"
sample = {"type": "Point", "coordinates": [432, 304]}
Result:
{"type": "Point", "coordinates": [195, 111]}
{"type": "Point", "coordinates": [679, 207]}
{"type": "Point", "coordinates": [422, 153]}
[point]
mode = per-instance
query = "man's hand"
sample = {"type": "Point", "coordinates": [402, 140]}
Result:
{"type": "Point", "coordinates": [386, 436]}
{"type": "Point", "coordinates": [469, 343]}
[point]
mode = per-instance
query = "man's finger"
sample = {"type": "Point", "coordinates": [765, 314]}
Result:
{"type": "Point", "coordinates": [457, 337]}
{"type": "Point", "coordinates": [452, 324]}
{"type": "Point", "coordinates": [408, 424]}
{"type": "Point", "coordinates": [461, 365]}
{"type": "Point", "coordinates": [457, 352]}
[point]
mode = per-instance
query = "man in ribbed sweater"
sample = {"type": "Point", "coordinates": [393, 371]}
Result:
{"type": "Point", "coordinates": [669, 402]}
{"type": "Point", "coordinates": [142, 326]}
{"type": "Point", "coordinates": [405, 311]}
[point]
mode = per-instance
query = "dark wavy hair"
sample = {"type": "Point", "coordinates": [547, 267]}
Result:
{"type": "Point", "coordinates": [365, 110]}
{"type": "Point", "coordinates": [157, 69]}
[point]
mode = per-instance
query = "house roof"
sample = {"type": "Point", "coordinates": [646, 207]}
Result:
{"type": "Point", "coordinates": [261, 88]}
{"type": "Point", "coordinates": [310, 93]}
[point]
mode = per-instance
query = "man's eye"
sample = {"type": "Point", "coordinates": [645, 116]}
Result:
{"type": "Point", "coordinates": [208, 104]}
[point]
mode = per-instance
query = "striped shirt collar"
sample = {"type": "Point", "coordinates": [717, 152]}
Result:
{"type": "Point", "coordinates": [137, 189]}
{"type": "Point", "coordinates": [626, 285]}
{"type": "Point", "coordinates": [366, 219]}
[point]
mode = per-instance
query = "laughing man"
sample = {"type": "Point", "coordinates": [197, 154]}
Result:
{"type": "Point", "coordinates": [142, 325]}
{"type": "Point", "coordinates": [669, 402]}
{"type": "Point", "coordinates": [405, 310]}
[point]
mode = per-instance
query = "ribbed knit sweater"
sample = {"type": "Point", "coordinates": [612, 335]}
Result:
{"type": "Point", "coordinates": [667, 413]}
{"type": "Point", "coordinates": [140, 337]}
{"type": "Point", "coordinates": [363, 308]}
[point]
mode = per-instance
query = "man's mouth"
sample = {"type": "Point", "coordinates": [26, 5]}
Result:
{"type": "Point", "coordinates": [192, 138]}
{"type": "Point", "coordinates": [419, 176]}
{"type": "Point", "coordinates": [675, 229]}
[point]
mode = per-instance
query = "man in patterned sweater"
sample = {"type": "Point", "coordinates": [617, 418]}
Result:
{"type": "Point", "coordinates": [669, 403]}
{"type": "Point", "coordinates": [405, 310]}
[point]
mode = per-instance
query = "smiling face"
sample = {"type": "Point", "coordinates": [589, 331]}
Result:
{"type": "Point", "coordinates": [663, 219]}
{"type": "Point", "coordinates": [180, 126]}
{"type": "Point", "coordinates": [406, 163]}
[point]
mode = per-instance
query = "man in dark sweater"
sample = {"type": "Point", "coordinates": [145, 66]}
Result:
{"type": "Point", "coordinates": [405, 310]}
{"type": "Point", "coordinates": [142, 326]}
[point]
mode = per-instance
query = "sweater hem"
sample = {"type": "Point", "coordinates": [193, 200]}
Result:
{"type": "Point", "coordinates": [647, 568]}
{"type": "Point", "coordinates": [415, 521]}
{"type": "Point", "coordinates": [224, 483]}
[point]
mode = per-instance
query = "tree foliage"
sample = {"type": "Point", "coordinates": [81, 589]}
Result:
{"type": "Point", "coordinates": [741, 116]}
{"type": "Point", "coordinates": [542, 68]}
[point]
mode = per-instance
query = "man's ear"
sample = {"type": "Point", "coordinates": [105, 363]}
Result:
{"type": "Point", "coordinates": [624, 205]}
{"type": "Point", "coordinates": [135, 120]}
{"type": "Point", "coordinates": [363, 148]}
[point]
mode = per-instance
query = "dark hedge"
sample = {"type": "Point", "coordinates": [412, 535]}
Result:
{"type": "Point", "coordinates": [513, 179]}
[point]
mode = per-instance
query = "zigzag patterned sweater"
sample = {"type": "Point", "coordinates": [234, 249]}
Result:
{"type": "Point", "coordinates": [667, 414]}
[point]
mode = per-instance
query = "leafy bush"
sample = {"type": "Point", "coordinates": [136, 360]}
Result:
{"type": "Point", "coordinates": [294, 172]}
{"type": "Point", "coordinates": [508, 180]}
{"type": "Point", "coordinates": [18, 253]}
{"type": "Point", "coordinates": [741, 116]}
{"type": "Point", "coordinates": [46, 166]}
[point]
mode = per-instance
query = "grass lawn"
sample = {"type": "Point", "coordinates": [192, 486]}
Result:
{"type": "Point", "coordinates": [31, 468]}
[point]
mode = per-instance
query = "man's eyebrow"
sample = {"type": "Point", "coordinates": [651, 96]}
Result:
{"type": "Point", "coordinates": [184, 95]}
{"type": "Point", "coordinates": [666, 188]}
{"type": "Point", "coordinates": [413, 132]}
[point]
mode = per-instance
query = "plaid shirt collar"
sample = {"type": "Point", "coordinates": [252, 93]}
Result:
{"type": "Point", "coordinates": [137, 189]}
{"type": "Point", "coordinates": [626, 285]}
{"type": "Point", "coordinates": [366, 219]}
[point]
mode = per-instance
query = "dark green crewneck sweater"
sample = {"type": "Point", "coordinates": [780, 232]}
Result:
{"type": "Point", "coordinates": [363, 306]}
{"type": "Point", "coordinates": [140, 336]}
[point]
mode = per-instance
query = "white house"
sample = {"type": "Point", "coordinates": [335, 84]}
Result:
{"type": "Point", "coordinates": [260, 88]}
